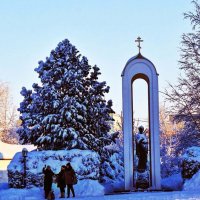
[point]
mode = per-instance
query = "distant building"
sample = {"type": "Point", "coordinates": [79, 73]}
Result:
{"type": "Point", "coordinates": [7, 151]}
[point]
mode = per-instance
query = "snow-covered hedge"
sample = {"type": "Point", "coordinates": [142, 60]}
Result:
{"type": "Point", "coordinates": [190, 162]}
{"type": "Point", "coordinates": [85, 163]}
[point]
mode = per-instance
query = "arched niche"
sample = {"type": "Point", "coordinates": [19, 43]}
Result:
{"type": "Point", "coordinates": [140, 67]}
{"type": "Point", "coordinates": [140, 106]}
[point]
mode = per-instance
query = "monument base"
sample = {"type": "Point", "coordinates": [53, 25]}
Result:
{"type": "Point", "coordinates": [142, 180]}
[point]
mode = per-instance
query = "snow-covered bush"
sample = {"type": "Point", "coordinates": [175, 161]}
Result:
{"type": "Point", "coordinates": [170, 165]}
{"type": "Point", "coordinates": [174, 182]}
{"type": "Point", "coordinates": [193, 183]}
{"type": "Point", "coordinates": [112, 168]}
{"type": "Point", "coordinates": [85, 163]}
{"type": "Point", "coordinates": [190, 162]}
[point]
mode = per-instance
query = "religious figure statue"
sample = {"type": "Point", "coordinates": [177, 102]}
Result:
{"type": "Point", "coordinates": [141, 149]}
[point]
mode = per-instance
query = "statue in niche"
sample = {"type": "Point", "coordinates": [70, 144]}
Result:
{"type": "Point", "coordinates": [141, 149]}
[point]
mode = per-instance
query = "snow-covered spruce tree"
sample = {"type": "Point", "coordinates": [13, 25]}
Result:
{"type": "Point", "coordinates": [67, 110]}
{"type": "Point", "coordinates": [185, 96]}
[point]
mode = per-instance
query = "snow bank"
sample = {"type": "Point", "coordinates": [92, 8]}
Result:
{"type": "Point", "coordinates": [112, 186]}
{"type": "Point", "coordinates": [190, 162]}
{"type": "Point", "coordinates": [83, 188]}
{"type": "Point", "coordinates": [25, 194]}
{"type": "Point", "coordinates": [174, 182]}
{"type": "Point", "coordinates": [85, 163]}
{"type": "Point", "coordinates": [193, 183]}
{"type": "Point", "coordinates": [89, 187]}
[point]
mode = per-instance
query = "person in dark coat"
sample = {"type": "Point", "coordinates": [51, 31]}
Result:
{"type": "Point", "coordinates": [69, 179]}
{"type": "Point", "coordinates": [61, 181]}
{"type": "Point", "coordinates": [48, 179]}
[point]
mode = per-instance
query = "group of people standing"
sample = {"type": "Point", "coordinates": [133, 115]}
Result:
{"type": "Point", "coordinates": [66, 177]}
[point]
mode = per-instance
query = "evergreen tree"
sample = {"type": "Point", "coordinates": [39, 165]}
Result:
{"type": "Point", "coordinates": [68, 109]}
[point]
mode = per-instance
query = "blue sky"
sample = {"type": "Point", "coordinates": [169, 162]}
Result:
{"type": "Point", "coordinates": [102, 30]}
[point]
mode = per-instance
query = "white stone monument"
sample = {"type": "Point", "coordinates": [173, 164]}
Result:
{"type": "Point", "coordinates": [140, 67]}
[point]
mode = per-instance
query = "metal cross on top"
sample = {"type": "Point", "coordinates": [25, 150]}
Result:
{"type": "Point", "coordinates": [139, 40]}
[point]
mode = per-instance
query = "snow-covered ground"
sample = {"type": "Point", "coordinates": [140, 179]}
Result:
{"type": "Point", "coordinates": [37, 194]}
{"type": "Point", "coordinates": [84, 189]}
